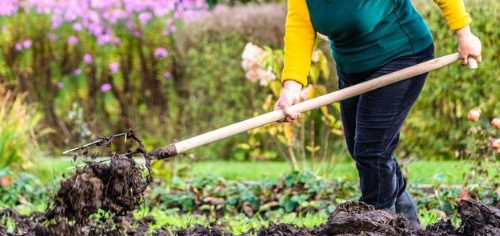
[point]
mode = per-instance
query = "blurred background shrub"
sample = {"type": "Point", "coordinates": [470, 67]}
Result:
{"type": "Point", "coordinates": [437, 126]}
{"type": "Point", "coordinates": [215, 90]}
{"type": "Point", "coordinates": [19, 122]}
{"type": "Point", "coordinates": [174, 70]}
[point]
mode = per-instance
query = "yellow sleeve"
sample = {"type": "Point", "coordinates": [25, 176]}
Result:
{"type": "Point", "coordinates": [299, 42]}
{"type": "Point", "coordinates": [455, 13]}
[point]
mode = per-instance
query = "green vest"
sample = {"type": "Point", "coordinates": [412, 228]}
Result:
{"type": "Point", "coordinates": [366, 34]}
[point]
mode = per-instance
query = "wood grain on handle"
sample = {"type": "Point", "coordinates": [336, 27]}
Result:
{"type": "Point", "coordinates": [274, 116]}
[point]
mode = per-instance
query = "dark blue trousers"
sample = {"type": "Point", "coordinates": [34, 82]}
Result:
{"type": "Point", "coordinates": [372, 125]}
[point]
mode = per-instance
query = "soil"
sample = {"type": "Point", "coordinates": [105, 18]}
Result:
{"type": "Point", "coordinates": [118, 189]}
{"type": "Point", "coordinates": [349, 219]}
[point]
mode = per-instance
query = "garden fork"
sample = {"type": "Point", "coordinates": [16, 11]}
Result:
{"type": "Point", "coordinates": [278, 115]}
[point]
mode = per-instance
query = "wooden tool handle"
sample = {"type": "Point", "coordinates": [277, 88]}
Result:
{"type": "Point", "coordinates": [472, 63]}
{"type": "Point", "coordinates": [274, 116]}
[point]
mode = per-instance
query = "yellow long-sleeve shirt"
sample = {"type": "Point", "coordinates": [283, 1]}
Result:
{"type": "Point", "coordinates": [363, 34]}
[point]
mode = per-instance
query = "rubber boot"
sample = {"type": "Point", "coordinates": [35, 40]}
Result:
{"type": "Point", "coordinates": [406, 206]}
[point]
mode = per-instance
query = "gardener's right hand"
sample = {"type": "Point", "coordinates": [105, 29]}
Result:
{"type": "Point", "coordinates": [290, 95]}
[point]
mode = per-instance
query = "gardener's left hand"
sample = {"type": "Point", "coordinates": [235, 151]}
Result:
{"type": "Point", "coordinates": [468, 45]}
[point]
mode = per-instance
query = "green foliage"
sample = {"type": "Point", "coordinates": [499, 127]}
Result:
{"type": "Point", "coordinates": [217, 97]}
{"type": "Point", "coordinates": [208, 89]}
{"type": "Point", "coordinates": [215, 92]}
{"type": "Point", "coordinates": [19, 122]}
{"type": "Point", "coordinates": [295, 192]}
{"type": "Point", "coordinates": [21, 190]}
{"type": "Point", "coordinates": [437, 126]}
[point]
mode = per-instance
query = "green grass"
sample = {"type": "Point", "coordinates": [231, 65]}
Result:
{"type": "Point", "coordinates": [424, 172]}
{"type": "Point", "coordinates": [237, 224]}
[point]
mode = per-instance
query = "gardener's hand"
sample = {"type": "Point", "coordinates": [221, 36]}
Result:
{"type": "Point", "coordinates": [290, 95]}
{"type": "Point", "coordinates": [468, 45]}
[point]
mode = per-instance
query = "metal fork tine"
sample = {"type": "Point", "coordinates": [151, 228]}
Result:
{"type": "Point", "coordinates": [93, 143]}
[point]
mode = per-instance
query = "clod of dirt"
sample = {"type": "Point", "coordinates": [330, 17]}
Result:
{"type": "Point", "coordinates": [283, 230]}
{"type": "Point", "coordinates": [478, 218]}
{"type": "Point", "coordinates": [117, 188]}
{"type": "Point", "coordinates": [441, 228]}
{"type": "Point", "coordinates": [357, 218]}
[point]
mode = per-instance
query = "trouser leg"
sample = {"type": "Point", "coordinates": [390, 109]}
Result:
{"type": "Point", "coordinates": [372, 125]}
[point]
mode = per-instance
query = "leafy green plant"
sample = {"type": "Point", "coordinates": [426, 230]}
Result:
{"type": "Point", "coordinates": [437, 126]}
{"type": "Point", "coordinates": [429, 217]}
{"type": "Point", "coordinates": [482, 148]}
{"type": "Point", "coordinates": [19, 125]}
{"type": "Point", "coordinates": [22, 190]}
{"type": "Point", "coordinates": [299, 192]}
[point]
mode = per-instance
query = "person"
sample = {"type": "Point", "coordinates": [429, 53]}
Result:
{"type": "Point", "coordinates": [370, 38]}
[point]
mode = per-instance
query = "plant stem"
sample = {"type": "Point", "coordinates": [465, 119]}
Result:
{"type": "Point", "coordinates": [313, 146]}
{"type": "Point", "coordinates": [292, 158]}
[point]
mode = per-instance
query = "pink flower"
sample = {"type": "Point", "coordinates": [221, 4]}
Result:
{"type": "Point", "coordinates": [52, 37]}
{"type": "Point", "coordinates": [60, 85]}
{"type": "Point", "coordinates": [19, 46]}
{"type": "Point", "coordinates": [495, 144]}
{"type": "Point", "coordinates": [496, 123]}
{"type": "Point", "coordinates": [167, 75]}
{"type": "Point", "coordinates": [78, 72]}
{"type": "Point", "coordinates": [103, 39]}
{"type": "Point", "coordinates": [145, 17]}
{"type": "Point", "coordinates": [77, 27]}
{"type": "Point", "coordinates": [138, 33]}
{"type": "Point", "coordinates": [87, 58]}
{"type": "Point", "coordinates": [73, 40]}
{"type": "Point", "coordinates": [474, 114]}
{"type": "Point", "coordinates": [105, 87]}
{"type": "Point", "coordinates": [160, 52]}
{"type": "Point", "coordinates": [252, 75]}
{"type": "Point", "coordinates": [116, 41]}
{"type": "Point", "coordinates": [27, 43]}
{"type": "Point", "coordinates": [114, 67]}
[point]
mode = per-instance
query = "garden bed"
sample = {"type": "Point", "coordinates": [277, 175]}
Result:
{"type": "Point", "coordinates": [350, 218]}
{"type": "Point", "coordinates": [99, 199]}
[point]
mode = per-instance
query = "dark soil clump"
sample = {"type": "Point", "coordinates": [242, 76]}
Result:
{"type": "Point", "coordinates": [478, 218]}
{"type": "Point", "coordinates": [283, 230]}
{"type": "Point", "coordinates": [354, 218]}
{"type": "Point", "coordinates": [116, 188]}
{"type": "Point", "coordinates": [359, 218]}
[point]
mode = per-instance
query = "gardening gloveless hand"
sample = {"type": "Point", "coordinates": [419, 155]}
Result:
{"type": "Point", "coordinates": [468, 45]}
{"type": "Point", "coordinates": [290, 95]}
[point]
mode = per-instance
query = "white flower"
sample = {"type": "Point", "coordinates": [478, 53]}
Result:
{"type": "Point", "coordinates": [315, 56]}
{"type": "Point", "coordinates": [253, 62]}
{"type": "Point", "coordinates": [253, 56]}
{"type": "Point", "coordinates": [265, 76]}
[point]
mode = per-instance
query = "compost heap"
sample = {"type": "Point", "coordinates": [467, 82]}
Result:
{"type": "Point", "coordinates": [118, 189]}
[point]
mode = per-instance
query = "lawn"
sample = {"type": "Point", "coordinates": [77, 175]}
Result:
{"type": "Point", "coordinates": [422, 172]}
